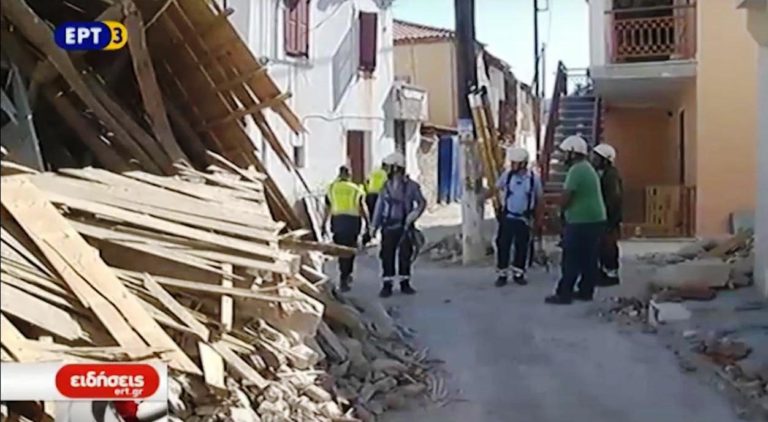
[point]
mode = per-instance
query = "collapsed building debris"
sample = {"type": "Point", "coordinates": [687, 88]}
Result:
{"type": "Point", "coordinates": [164, 237]}
{"type": "Point", "coordinates": [192, 270]}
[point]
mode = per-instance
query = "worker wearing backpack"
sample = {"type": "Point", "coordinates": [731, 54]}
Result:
{"type": "Point", "coordinates": [521, 192]}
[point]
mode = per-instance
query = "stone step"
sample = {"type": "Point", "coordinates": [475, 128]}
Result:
{"type": "Point", "coordinates": [578, 99]}
{"type": "Point", "coordinates": [577, 114]}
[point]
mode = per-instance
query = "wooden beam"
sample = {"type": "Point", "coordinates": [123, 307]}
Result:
{"type": "Point", "coordinates": [245, 77]}
{"type": "Point", "coordinates": [226, 300]}
{"type": "Point", "coordinates": [237, 114]}
{"type": "Point", "coordinates": [39, 313]}
{"type": "Point", "coordinates": [150, 91]}
{"type": "Point", "coordinates": [213, 366]}
{"type": "Point", "coordinates": [105, 155]}
{"type": "Point", "coordinates": [41, 36]}
{"type": "Point", "coordinates": [48, 228]}
{"type": "Point", "coordinates": [176, 308]}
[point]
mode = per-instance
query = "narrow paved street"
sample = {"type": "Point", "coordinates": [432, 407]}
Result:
{"type": "Point", "coordinates": [516, 359]}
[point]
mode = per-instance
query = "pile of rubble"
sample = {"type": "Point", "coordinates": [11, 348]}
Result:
{"type": "Point", "coordinates": [697, 270]}
{"type": "Point", "coordinates": [193, 271]}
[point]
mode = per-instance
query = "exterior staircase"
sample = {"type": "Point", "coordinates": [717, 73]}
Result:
{"type": "Point", "coordinates": [573, 112]}
{"type": "Point", "coordinates": [577, 117]}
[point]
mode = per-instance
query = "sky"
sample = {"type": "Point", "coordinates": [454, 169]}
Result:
{"type": "Point", "coordinates": [506, 27]}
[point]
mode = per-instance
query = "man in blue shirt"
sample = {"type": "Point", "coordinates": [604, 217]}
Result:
{"type": "Point", "coordinates": [399, 205]}
{"type": "Point", "coordinates": [521, 192]}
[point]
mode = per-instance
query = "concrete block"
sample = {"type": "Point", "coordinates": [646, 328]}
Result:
{"type": "Point", "coordinates": [662, 313]}
{"type": "Point", "coordinates": [691, 251]}
{"type": "Point", "coordinates": [711, 272]}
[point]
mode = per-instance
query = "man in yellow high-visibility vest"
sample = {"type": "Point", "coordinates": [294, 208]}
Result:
{"type": "Point", "coordinates": [374, 185]}
{"type": "Point", "coordinates": [345, 200]}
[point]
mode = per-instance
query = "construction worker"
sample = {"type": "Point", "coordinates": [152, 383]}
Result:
{"type": "Point", "coordinates": [373, 186]}
{"type": "Point", "coordinates": [347, 210]}
{"type": "Point", "coordinates": [400, 204]}
{"type": "Point", "coordinates": [520, 190]}
{"type": "Point", "coordinates": [604, 159]}
{"type": "Point", "coordinates": [582, 201]}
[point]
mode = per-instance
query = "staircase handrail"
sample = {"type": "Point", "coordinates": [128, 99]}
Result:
{"type": "Point", "coordinates": [597, 122]}
{"type": "Point", "coordinates": [553, 119]}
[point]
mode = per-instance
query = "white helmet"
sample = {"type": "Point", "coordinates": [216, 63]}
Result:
{"type": "Point", "coordinates": [575, 143]}
{"type": "Point", "coordinates": [395, 159]}
{"type": "Point", "coordinates": [517, 155]}
{"type": "Point", "coordinates": [606, 151]}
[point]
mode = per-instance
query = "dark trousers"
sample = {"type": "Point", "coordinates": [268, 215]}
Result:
{"type": "Point", "coordinates": [346, 229]}
{"type": "Point", "coordinates": [581, 244]}
{"type": "Point", "coordinates": [370, 202]}
{"type": "Point", "coordinates": [395, 248]}
{"type": "Point", "coordinates": [609, 249]}
{"type": "Point", "coordinates": [517, 231]}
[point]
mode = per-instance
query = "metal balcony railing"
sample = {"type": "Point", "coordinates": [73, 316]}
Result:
{"type": "Point", "coordinates": [646, 34]}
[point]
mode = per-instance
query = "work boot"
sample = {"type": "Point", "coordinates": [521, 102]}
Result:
{"type": "Point", "coordinates": [345, 283]}
{"type": "Point", "coordinates": [557, 300]}
{"type": "Point", "coordinates": [405, 287]}
{"type": "Point", "coordinates": [386, 289]}
{"type": "Point", "coordinates": [581, 297]}
{"type": "Point", "coordinates": [518, 276]}
{"type": "Point", "coordinates": [609, 278]}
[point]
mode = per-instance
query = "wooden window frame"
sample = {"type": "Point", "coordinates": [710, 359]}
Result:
{"type": "Point", "coordinates": [296, 29]}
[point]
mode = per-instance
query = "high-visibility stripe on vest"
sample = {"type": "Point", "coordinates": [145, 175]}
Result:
{"type": "Point", "coordinates": [376, 181]}
{"type": "Point", "coordinates": [345, 198]}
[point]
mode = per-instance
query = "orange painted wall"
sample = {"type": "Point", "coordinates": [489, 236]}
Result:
{"type": "Point", "coordinates": [726, 141]}
{"type": "Point", "coordinates": [646, 145]}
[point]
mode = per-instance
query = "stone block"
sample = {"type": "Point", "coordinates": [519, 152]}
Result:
{"type": "Point", "coordinates": [711, 272]}
{"type": "Point", "coordinates": [662, 313]}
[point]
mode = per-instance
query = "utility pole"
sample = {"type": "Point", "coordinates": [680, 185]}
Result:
{"type": "Point", "coordinates": [472, 200]}
{"type": "Point", "coordinates": [543, 59]}
{"type": "Point", "coordinates": [538, 97]}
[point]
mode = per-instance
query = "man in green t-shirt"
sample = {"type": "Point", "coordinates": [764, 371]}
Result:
{"type": "Point", "coordinates": [585, 218]}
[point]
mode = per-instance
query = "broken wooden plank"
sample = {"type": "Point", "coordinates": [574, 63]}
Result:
{"type": "Point", "coordinates": [150, 91]}
{"type": "Point", "coordinates": [240, 113]}
{"type": "Point", "coordinates": [249, 374]}
{"type": "Point", "coordinates": [733, 243]}
{"type": "Point", "coordinates": [326, 248]}
{"type": "Point", "coordinates": [39, 313]}
{"type": "Point", "coordinates": [226, 300]}
{"type": "Point", "coordinates": [213, 366]}
{"type": "Point", "coordinates": [20, 197]}
{"type": "Point", "coordinates": [16, 245]}
{"type": "Point", "coordinates": [170, 227]}
{"type": "Point", "coordinates": [175, 307]}
{"type": "Point", "coordinates": [206, 288]}
{"type": "Point", "coordinates": [40, 35]}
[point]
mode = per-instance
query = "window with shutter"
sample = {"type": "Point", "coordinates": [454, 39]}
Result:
{"type": "Point", "coordinates": [368, 35]}
{"type": "Point", "coordinates": [297, 28]}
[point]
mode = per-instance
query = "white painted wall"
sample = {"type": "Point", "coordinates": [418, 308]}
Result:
{"type": "Point", "coordinates": [311, 83]}
{"type": "Point", "coordinates": [597, 32]}
{"type": "Point", "coordinates": [761, 247]}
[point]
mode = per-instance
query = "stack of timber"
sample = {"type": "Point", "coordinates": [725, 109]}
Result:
{"type": "Point", "coordinates": [488, 140]}
{"type": "Point", "coordinates": [184, 85]}
{"type": "Point", "coordinates": [191, 270]}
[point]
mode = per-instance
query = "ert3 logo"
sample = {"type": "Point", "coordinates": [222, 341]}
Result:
{"type": "Point", "coordinates": [105, 35]}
